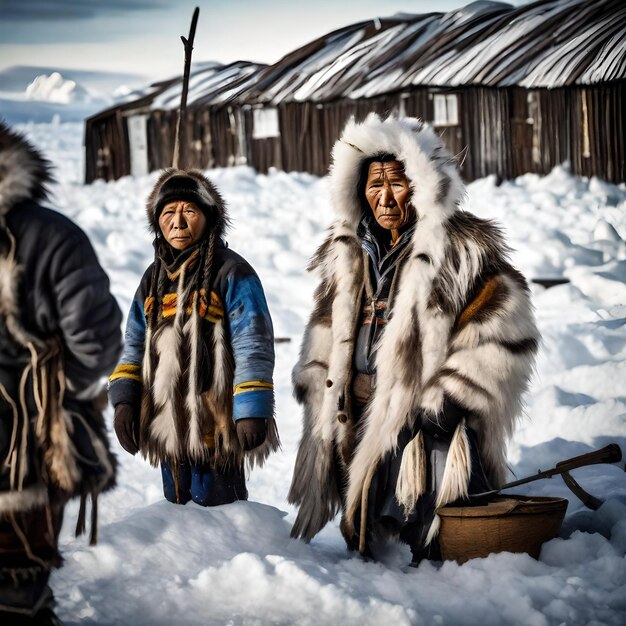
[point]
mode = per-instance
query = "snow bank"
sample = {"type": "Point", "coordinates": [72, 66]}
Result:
{"type": "Point", "coordinates": [161, 564]}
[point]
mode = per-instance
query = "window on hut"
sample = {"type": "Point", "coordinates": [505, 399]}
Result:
{"type": "Point", "coordinates": [138, 140]}
{"type": "Point", "coordinates": [265, 123]}
{"type": "Point", "coordinates": [402, 104]}
{"type": "Point", "coordinates": [445, 108]}
{"type": "Point", "coordinates": [534, 119]}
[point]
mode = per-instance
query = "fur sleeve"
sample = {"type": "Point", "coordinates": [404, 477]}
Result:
{"type": "Point", "coordinates": [324, 355]}
{"type": "Point", "coordinates": [489, 363]}
{"type": "Point", "coordinates": [313, 488]}
{"type": "Point", "coordinates": [88, 315]}
{"type": "Point", "coordinates": [494, 338]}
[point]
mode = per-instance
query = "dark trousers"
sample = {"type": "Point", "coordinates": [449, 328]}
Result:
{"type": "Point", "coordinates": [203, 484]}
{"type": "Point", "coordinates": [28, 551]}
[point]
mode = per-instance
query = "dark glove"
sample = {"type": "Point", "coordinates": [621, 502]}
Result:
{"type": "Point", "coordinates": [126, 427]}
{"type": "Point", "coordinates": [445, 422]}
{"type": "Point", "coordinates": [251, 432]}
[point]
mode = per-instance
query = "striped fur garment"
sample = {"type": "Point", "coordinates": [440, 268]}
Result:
{"type": "Point", "coordinates": [461, 325]}
{"type": "Point", "coordinates": [199, 351]}
{"type": "Point", "coordinates": [178, 421]}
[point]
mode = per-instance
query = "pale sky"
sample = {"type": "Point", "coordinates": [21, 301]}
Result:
{"type": "Point", "coordinates": [143, 36]}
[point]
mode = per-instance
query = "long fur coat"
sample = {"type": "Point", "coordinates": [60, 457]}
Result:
{"type": "Point", "coordinates": [461, 327]}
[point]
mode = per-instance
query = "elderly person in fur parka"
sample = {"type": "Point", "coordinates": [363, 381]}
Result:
{"type": "Point", "coordinates": [59, 334]}
{"type": "Point", "coordinates": [193, 391]}
{"type": "Point", "coordinates": [419, 347]}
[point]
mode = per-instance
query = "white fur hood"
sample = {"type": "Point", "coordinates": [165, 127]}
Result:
{"type": "Point", "coordinates": [437, 189]}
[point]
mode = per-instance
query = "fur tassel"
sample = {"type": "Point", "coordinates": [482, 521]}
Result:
{"type": "Point", "coordinates": [433, 531]}
{"type": "Point", "coordinates": [456, 474]}
{"type": "Point", "coordinates": [60, 456]}
{"type": "Point", "coordinates": [314, 488]}
{"type": "Point", "coordinates": [412, 478]}
{"type": "Point", "coordinates": [10, 273]}
{"type": "Point", "coordinates": [192, 400]}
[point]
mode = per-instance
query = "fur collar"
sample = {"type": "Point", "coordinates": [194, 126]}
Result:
{"type": "Point", "coordinates": [24, 172]}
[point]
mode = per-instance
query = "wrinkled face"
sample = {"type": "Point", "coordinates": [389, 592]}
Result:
{"type": "Point", "coordinates": [387, 191]}
{"type": "Point", "coordinates": [182, 224]}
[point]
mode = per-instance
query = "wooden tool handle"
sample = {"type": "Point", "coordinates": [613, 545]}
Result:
{"type": "Point", "coordinates": [608, 454]}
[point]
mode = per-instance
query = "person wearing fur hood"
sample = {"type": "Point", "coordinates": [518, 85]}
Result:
{"type": "Point", "coordinates": [193, 391]}
{"type": "Point", "coordinates": [59, 334]}
{"type": "Point", "coordinates": [420, 345]}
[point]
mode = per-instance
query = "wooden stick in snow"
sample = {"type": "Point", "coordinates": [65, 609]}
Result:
{"type": "Point", "coordinates": [188, 44]}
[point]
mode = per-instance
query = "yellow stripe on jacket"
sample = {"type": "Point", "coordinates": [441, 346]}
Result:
{"type": "Point", "coordinates": [212, 311]}
{"type": "Point", "coordinates": [253, 385]}
{"type": "Point", "coordinates": [126, 370]}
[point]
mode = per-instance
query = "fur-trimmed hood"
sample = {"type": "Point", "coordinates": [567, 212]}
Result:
{"type": "Point", "coordinates": [433, 173]}
{"type": "Point", "coordinates": [192, 185]}
{"type": "Point", "coordinates": [24, 172]}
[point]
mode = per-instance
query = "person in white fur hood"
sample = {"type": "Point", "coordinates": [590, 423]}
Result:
{"type": "Point", "coordinates": [420, 345]}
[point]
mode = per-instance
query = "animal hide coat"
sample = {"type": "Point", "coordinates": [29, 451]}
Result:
{"type": "Point", "coordinates": [59, 333]}
{"type": "Point", "coordinates": [461, 328]}
{"type": "Point", "coordinates": [198, 368]}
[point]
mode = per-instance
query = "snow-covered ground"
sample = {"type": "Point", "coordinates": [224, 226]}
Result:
{"type": "Point", "coordinates": [160, 564]}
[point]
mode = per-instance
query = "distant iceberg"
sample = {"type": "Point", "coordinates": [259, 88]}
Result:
{"type": "Point", "coordinates": [54, 88]}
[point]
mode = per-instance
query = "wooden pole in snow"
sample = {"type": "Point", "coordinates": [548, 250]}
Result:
{"type": "Point", "coordinates": [180, 133]}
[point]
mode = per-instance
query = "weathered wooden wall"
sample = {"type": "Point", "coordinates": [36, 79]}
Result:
{"type": "Point", "coordinates": [107, 152]}
{"type": "Point", "coordinates": [211, 138]}
{"type": "Point", "coordinates": [506, 132]}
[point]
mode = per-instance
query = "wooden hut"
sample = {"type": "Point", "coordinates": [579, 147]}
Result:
{"type": "Point", "coordinates": [136, 136]}
{"type": "Point", "coordinates": [511, 89]}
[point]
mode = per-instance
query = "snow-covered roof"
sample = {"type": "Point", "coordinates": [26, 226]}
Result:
{"type": "Point", "coordinates": [546, 44]}
{"type": "Point", "coordinates": [550, 43]}
{"type": "Point", "coordinates": [211, 83]}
